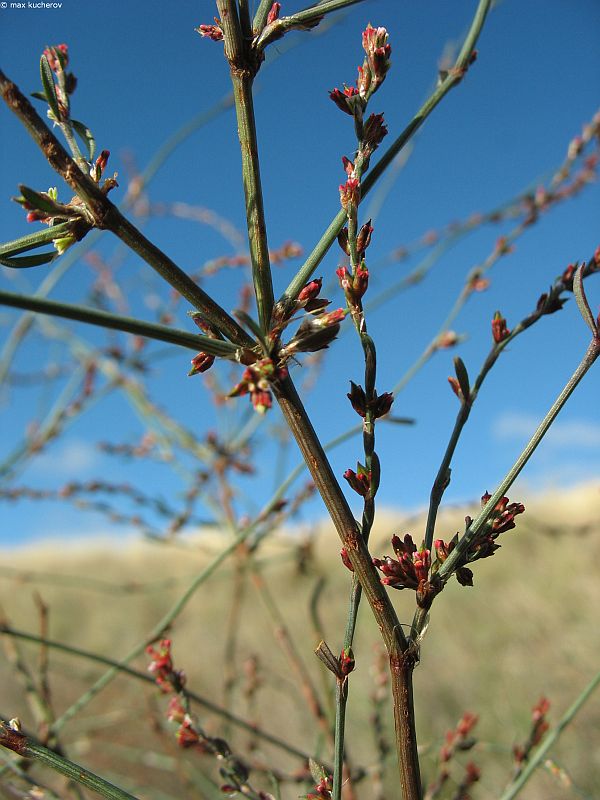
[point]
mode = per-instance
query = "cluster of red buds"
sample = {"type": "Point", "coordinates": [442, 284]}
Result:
{"type": "Point", "coordinates": [189, 735]}
{"type": "Point", "coordinates": [161, 666]}
{"type": "Point", "coordinates": [256, 381]}
{"type": "Point", "coordinates": [57, 58]}
{"type": "Point", "coordinates": [322, 790]}
{"type": "Point", "coordinates": [214, 32]}
{"type": "Point", "coordinates": [378, 407]}
{"type": "Point", "coordinates": [539, 727]}
{"type": "Point", "coordinates": [360, 480]}
{"type": "Point", "coordinates": [458, 739]}
{"type": "Point", "coordinates": [484, 544]}
{"type": "Point", "coordinates": [353, 99]}
{"type": "Point", "coordinates": [409, 570]}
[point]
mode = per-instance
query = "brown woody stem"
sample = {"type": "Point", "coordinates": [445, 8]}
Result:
{"type": "Point", "coordinates": [402, 660]}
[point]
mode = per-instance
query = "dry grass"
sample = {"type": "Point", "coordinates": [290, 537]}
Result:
{"type": "Point", "coordinates": [528, 627]}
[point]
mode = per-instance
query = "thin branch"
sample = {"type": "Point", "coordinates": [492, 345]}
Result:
{"type": "Point", "coordinates": [27, 748]}
{"type": "Point", "coordinates": [587, 361]}
{"type": "Point", "coordinates": [33, 240]}
{"type": "Point", "coordinates": [105, 319]}
{"type": "Point", "coordinates": [243, 65]}
{"type": "Point", "coordinates": [453, 77]}
{"type": "Point", "coordinates": [550, 740]}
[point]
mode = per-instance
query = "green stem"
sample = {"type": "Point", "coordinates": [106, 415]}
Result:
{"type": "Point", "coordinates": [26, 748]}
{"type": "Point", "coordinates": [105, 319]}
{"type": "Point", "coordinates": [341, 699]}
{"type": "Point", "coordinates": [243, 69]}
{"type": "Point", "coordinates": [550, 740]}
{"type": "Point", "coordinates": [308, 15]}
{"type": "Point", "coordinates": [105, 215]}
{"type": "Point", "coordinates": [450, 81]}
{"type": "Point", "coordinates": [260, 18]}
{"type": "Point", "coordinates": [33, 240]}
{"type": "Point", "coordinates": [590, 356]}
{"type": "Point", "coordinates": [81, 162]}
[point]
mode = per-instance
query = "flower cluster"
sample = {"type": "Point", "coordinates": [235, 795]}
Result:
{"type": "Point", "coordinates": [409, 570]}
{"type": "Point", "coordinates": [459, 738]}
{"type": "Point", "coordinates": [189, 734]}
{"type": "Point", "coordinates": [256, 381]}
{"type": "Point", "coordinates": [161, 666]}
{"type": "Point", "coordinates": [57, 59]}
{"type": "Point", "coordinates": [360, 481]}
{"type": "Point", "coordinates": [214, 32]}
{"type": "Point", "coordinates": [45, 206]}
{"type": "Point", "coordinates": [379, 406]}
{"type": "Point", "coordinates": [353, 99]}
{"type": "Point", "coordinates": [539, 726]}
{"type": "Point", "coordinates": [484, 544]}
{"type": "Point", "coordinates": [322, 790]}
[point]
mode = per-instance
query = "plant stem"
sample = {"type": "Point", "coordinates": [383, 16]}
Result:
{"type": "Point", "coordinates": [105, 215]}
{"type": "Point", "coordinates": [341, 699]}
{"type": "Point", "coordinates": [104, 319]}
{"type": "Point", "coordinates": [308, 15]}
{"type": "Point", "coordinates": [243, 66]}
{"type": "Point", "coordinates": [400, 653]}
{"type": "Point", "coordinates": [550, 740]}
{"type": "Point", "coordinates": [26, 748]}
{"type": "Point", "coordinates": [339, 510]}
{"type": "Point", "coordinates": [453, 77]}
{"type": "Point", "coordinates": [590, 356]}
{"type": "Point", "coordinates": [33, 240]}
{"type": "Point", "coordinates": [402, 665]}
{"type": "Point", "coordinates": [260, 18]}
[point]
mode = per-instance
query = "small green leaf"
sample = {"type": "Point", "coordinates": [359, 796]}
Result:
{"type": "Point", "coordinates": [318, 772]}
{"type": "Point", "coordinates": [582, 303]}
{"type": "Point", "coordinates": [49, 87]}
{"type": "Point", "coordinates": [39, 96]}
{"type": "Point", "coordinates": [28, 261]}
{"type": "Point", "coordinates": [86, 137]}
{"type": "Point", "coordinates": [42, 202]}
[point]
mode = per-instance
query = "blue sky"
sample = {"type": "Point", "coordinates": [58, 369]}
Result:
{"type": "Point", "coordinates": [143, 73]}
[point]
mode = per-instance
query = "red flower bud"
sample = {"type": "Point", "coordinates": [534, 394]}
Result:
{"type": "Point", "coordinates": [350, 193]}
{"type": "Point", "coordinates": [201, 363]}
{"type": "Point", "coordinates": [499, 330]}
{"type": "Point", "coordinates": [346, 560]}
{"type": "Point", "coordinates": [273, 13]}
{"type": "Point", "coordinates": [311, 290]}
